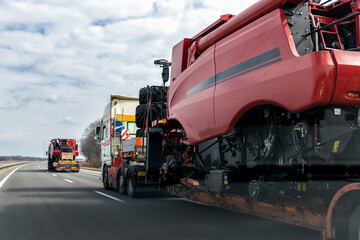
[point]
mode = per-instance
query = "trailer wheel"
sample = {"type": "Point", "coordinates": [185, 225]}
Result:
{"type": "Point", "coordinates": [157, 94]}
{"type": "Point", "coordinates": [121, 183]}
{"type": "Point", "coordinates": [141, 113]}
{"type": "Point", "coordinates": [140, 133]}
{"type": "Point", "coordinates": [354, 225]}
{"type": "Point", "coordinates": [105, 178]}
{"type": "Point", "coordinates": [131, 184]}
{"type": "Point", "coordinates": [51, 168]}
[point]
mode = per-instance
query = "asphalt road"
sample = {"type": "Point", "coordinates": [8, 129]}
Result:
{"type": "Point", "coordinates": [37, 204]}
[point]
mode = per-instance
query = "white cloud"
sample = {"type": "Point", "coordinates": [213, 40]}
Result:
{"type": "Point", "coordinates": [62, 59]}
{"type": "Point", "coordinates": [68, 120]}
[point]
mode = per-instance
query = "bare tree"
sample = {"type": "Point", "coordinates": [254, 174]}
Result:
{"type": "Point", "coordinates": [89, 147]}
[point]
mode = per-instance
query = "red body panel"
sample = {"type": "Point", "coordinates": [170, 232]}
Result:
{"type": "Point", "coordinates": [285, 79]}
{"type": "Point", "coordinates": [348, 77]}
{"type": "Point", "coordinates": [294, 83]}
{"type": "Point", "coordinates": [254, 12]}
{"type": "Point", "coordinates": [196, 112]}
{"type": "Point", "coordinates": [180, 51]}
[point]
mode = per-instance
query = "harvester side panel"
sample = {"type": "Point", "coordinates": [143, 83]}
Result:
{"type": "Point", "coordinates": [191, 104]}
{"type": "Point", "coordinates": [348, 79]}
{"type": "Point", "coordinates": [267, 72]}
{"type": "Point", "coordinates": [249, 72]}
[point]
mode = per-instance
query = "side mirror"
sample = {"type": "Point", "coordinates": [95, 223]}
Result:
{"type": "Point", "coordinates": [165, 74]}
{"type": "Point", "coordinates": [47, 152]}
{"type": "Point", "coordinates": [97, 131]}
{"type": "Point", "coordinates": [165, 64]}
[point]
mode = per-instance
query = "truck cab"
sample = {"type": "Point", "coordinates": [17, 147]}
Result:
{"type": "Point", "coordinates": [62, 155]}
{"type": "Point", "coordinates": [117, 136]}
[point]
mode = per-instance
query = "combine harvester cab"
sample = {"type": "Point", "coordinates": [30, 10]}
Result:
{"type": "Point", "coordinates": [62, 154]}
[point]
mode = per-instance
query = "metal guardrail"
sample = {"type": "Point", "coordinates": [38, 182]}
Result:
{"type": "Point", "coordinates": [7, 164]}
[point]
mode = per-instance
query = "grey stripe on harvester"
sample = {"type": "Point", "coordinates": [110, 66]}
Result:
{"type": "Point", "coordinates": [253, 62]}
{"type": "Point", "coordinates": [239, 69]}
{"type": "Point", "coordinates": [250, 70]}
{"type": "Point", "coordinates": [204, 84]}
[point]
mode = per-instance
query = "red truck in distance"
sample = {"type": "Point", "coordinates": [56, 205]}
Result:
{"type": "Point", "coordinates": [62, 154]}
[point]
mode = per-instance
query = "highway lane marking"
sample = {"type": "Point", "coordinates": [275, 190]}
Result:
{"type": "Point", "coordinates": [87, 172]}
{"type": "Point", "coordinates": [111, 197]}
{"type": "Point", "coordinates": [7, 177]}
{"type": "Point", "coordinates": [68, 180]}
{"type": "Point", "coordinates": [91, 171]}
{"type": "Point", "coordinates": [90, 174]}
{"type": "Point", "coordinates": [42, 168]}
{"type": "Point", "coordinates": [54, 175]}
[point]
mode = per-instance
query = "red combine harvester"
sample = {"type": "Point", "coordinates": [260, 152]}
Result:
{"type": "Point", "coordinates": [62, 154]}
{"type": "Point", "coordinates": [261, 115]}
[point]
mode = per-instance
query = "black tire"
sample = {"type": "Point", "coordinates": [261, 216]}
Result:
{"type": "Point", "coordinates": [155, 113]}
{"type": "Point", "coordinates": [143, 95]}
{"type": "Point", "coordinates": [140, 133]}
{"type": "Point", "coordinates": [50, 166]}
{"type": "Point", "coordinates": [158, 94]}
{"type": "Point", "coordinates": [121, 183]}
{"type": "Point", "coordinates": [140, 114]}
{"type": "Point", "coordinates": [131, 184]}
{"type": "Point", "coordinates": [354, 225]}
{"type": "Point", "coordinates": [105, 178]}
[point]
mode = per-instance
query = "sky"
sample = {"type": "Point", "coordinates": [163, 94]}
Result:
{"type": "Point", "coordinates": [62, 59]}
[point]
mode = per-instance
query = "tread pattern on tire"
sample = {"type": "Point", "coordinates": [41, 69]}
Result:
{"type": "Point", "coordinates": [155, 113]}
{"type": "Point", "coordinates": [130, 177]}
{"type": "Point", "coordinates": [156, 97]}
{"type": "Point", "coordinates": [140, 133]}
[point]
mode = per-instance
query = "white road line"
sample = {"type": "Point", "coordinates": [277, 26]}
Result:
{"type": "Point", "coordinates": [91, 174]}
{"type": "Point", "coordinates": [7, 177]}
{"type": "Point", "coordinates": [68, 180]}
{"type": "Point", "coordinates": [90, 171]}
{"type": "Point", "coordinates": [54, 175]}
{"type": "Point", "coordinates": [113, 198]}
{"type": "Point", "coordinates": [96, 173]}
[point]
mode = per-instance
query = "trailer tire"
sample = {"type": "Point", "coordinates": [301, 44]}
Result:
{"type": "Point", "coordinates": [156, 96]}
{"type": "Point", "coordinates": [140, 133]}
{"type": "Point", "coordinates": [142, 113]}
{"type": "Point", "coordinates": [131, 184]}
{"type": "Point", "coordinates": [354, 225]}
{"type": "Point", "coordinates": [50, 167]}
{"type": "Point", "coordinates": [105, 178]}
{"type": "Point", "coordinates": [121, 183]}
